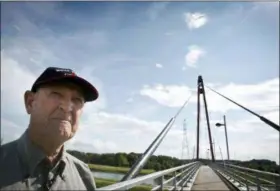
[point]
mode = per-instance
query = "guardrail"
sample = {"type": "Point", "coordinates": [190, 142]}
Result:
{"type": "Point", "coordinates": [180, 176]}
{"type": "Point", "coordinates": [247, 178]}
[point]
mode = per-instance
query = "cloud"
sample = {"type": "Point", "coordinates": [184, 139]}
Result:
{"type": "Point", "coordinates": [140, 133]}
{"type": "Point", "coordinates": [10, 130]}
{"type": "Point", "coordinates": [15, 80]}
{"type": "Point", "coordinates": [247, 125]}
{"type": "Point", "coordinates": [273, 115]}
{"type": "Point", "coordinates": [259, 97]}
{"type": "Point", "coordinates": [171, 96]}
{"type": "Point", "coordinates": [195, 20]}
{"type": "Point", "coordinates": [158, 65]}
{"type": "Point", "coordinates": [193, 56]}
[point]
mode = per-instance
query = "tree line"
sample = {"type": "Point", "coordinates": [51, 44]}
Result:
{"type": "Point", "coordinates": [263, 165]}
{"type": "Point", "coordinates": [161, 162]}
{"type": "Point", "coordinates": [127, 160]}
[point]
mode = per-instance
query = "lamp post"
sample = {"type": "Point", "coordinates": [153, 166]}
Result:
{"type": "Point", "coordinates": [224, 124]}
{"type": "Point", "coordinates": [214, 147]}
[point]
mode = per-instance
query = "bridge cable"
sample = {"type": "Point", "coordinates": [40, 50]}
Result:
{"type": "Point", "coordinates": [142, 160]}
{"type": "Point", "coordinates": [182, 107]}
{"type": "Point", "coordinates": [267, 121]}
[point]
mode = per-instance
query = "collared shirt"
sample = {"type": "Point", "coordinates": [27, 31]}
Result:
{"type": "Point", "coordinates": [23, 167]}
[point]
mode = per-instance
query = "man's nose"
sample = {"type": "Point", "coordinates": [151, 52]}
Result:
{"type": "Point", "coordinates": [67, 105]}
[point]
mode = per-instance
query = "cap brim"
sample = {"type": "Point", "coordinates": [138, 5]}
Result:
{"type": "Point", "coordinates": [89, 91]}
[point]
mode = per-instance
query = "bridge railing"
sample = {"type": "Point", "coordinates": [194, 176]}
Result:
{"type": "Point", "coordinates": [247, 178]}
{"type": "Point", "coordinates": [177, 176]}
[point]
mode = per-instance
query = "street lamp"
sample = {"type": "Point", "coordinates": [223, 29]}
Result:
{"type": "Point", "coordinates": [224, 124]}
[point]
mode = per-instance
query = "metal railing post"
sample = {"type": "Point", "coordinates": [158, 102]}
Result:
{"type": "Point", "coordinates": [161, 182]}
{"type": "Point", "coordinates": [258, 182]}
{"type": "Point", "coordinates": [174, 181]}
{"type": "Point", "coordinates": [233, 176]}
{"type": "Point", "coordinates": [247, 184]}
{"type": "Point", "coordinates": [277, 183]}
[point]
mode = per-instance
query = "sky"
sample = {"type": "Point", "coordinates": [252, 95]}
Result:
{"type": "Point", "coordinates": [145, 58]}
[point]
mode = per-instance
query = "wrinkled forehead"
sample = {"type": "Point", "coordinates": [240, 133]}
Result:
{"type": "Point", "coordinates": [63, 85]}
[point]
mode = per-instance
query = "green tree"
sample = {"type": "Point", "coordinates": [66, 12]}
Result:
{"type": "Point", "coordinates": [132, 158]}
{"type": "Point", "coordinates": [121, 160]}
{"type": "Point", "coordinates": [108, 159]}
{"type": "Point", "coordinates": [157, 167]}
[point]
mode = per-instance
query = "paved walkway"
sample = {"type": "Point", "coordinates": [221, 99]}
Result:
{"type": "Point", "coordinates": [207, 179]}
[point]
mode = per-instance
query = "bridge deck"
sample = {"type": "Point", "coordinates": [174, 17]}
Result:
{"type": "Point", "coordinates": [207, 179]}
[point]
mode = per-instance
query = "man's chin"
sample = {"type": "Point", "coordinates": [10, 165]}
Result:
{"type": "Point", "coordinates": [60, 131]}
{"type": "Point", "coordinates": [59, 139]}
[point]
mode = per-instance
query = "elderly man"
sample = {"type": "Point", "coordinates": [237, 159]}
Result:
{"type": "Point", "coordinates": [38, 160]}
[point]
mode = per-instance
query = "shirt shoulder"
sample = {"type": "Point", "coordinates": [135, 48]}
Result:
{"type": "Point", "coordinates": [11, 170]}
{"type": "Point", "coordinates": [8, 149]}
{"type": "Point", "coordinates": [8, 154]}
{"type": "Point", "coordinates": [83, 170]}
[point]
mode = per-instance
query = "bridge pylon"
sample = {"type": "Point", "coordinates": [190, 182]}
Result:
{"type": "Point", "coordinates": [201, 90]}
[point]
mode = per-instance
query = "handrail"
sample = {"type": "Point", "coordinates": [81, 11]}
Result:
{"type": "Point", "coordinates": [253, 170]}
{"type": "Point", "coordinates": [138, 180]}
{"type": "Point", "coordinates": [252, 176]}
{"type": "Point", "coordinates": [243, 181]}
{"type": "Point", "coordinates": [246, 176]}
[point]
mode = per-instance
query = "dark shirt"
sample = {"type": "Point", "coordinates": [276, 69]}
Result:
{"type": "Point", "coordinates": [23, 166]}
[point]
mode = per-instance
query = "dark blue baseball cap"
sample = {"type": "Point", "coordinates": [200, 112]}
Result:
{"type": "Point", "coordinates": [54, 74]}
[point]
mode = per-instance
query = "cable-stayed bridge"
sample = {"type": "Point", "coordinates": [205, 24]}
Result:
{"type": "Point", "coordinates": [201, 174]}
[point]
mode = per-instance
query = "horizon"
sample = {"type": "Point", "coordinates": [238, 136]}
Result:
{"type": "Point", "coordinates": [144, 58]}
{"type": "Point", "coordinates": [175, 157]}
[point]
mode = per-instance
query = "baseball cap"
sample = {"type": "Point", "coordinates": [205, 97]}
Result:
{"type": "Point", "coordinates": [54, 74]}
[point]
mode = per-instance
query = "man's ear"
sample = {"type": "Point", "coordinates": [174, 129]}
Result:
{"type": "Point", "coordinates": [28, 100]}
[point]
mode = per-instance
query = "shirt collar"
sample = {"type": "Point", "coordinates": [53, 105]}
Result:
{"type": "Point", "coordinates": [32, 155]}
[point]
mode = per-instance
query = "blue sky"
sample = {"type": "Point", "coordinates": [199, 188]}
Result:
{"type": "Point", "coordinates": [145, 57]}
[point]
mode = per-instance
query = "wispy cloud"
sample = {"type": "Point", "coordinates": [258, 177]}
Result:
{"type": "Point", "coordinates": [158, 65]}
{"type": "Point", "coordinates": [256, 96]}
{"type": "Point", "coordinates": [12, 92]}
{"type": "Point", "coordinates": [195, 20]}
{"type": "Point", "coordinates": [193, 55]}
{"type": "Point", "coordinates": [172, 96]}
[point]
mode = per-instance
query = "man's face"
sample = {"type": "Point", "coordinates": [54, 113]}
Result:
{"type": "Point", "coordinates": [55, 111]}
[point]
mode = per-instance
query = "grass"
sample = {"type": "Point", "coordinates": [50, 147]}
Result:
{"type": "Point", "coordinates": [104, 182]}
{"type": "Point", "coordinates": [100, 182]}
{"type": "Point", "coordinates": [104, 168]}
